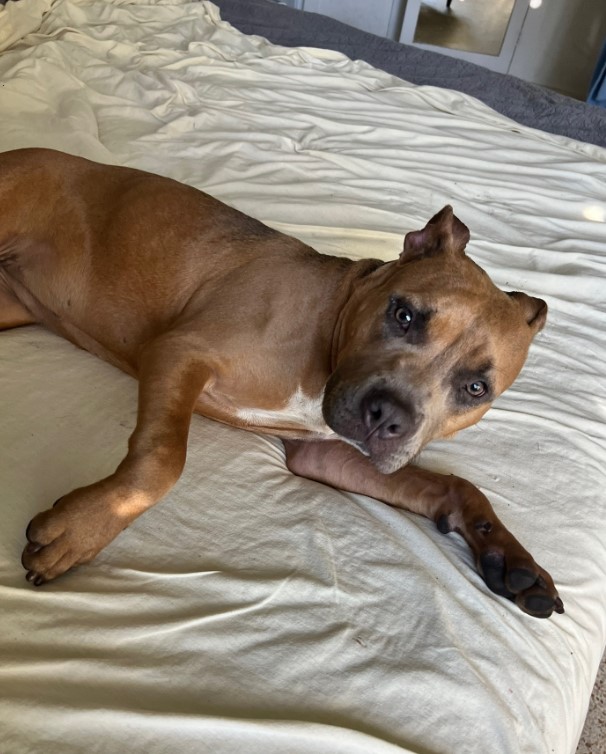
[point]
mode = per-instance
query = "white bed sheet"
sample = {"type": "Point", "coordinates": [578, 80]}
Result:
{"type": "Point", "coordinates": [252, 611]}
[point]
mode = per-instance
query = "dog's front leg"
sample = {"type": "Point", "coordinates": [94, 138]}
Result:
{"type": "Point", "coordinates": [453, 503]}
{"type": "Point", "coordinates": [84, 521]}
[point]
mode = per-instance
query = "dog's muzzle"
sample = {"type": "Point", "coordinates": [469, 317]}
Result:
{"type": "Point", "coordinates": [378, 421]}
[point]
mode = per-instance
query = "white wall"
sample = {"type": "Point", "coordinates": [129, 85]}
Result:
{"type": "Point", "coordinates": [560, 43]}
{"type": "Point", "coordinates": [374, 16]}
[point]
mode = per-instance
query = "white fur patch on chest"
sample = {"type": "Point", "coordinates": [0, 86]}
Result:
{"type": "Point", "coordinates": [300, 412]}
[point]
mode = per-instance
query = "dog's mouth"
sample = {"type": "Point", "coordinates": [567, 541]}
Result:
{"type": "Point", "coordinates": [385, 460]}
{"type": "Point", "coordinates": [382, 425]}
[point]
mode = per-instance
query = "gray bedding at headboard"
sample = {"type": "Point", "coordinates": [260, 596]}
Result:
{"type": "Point", "coordinates": [525, 103]}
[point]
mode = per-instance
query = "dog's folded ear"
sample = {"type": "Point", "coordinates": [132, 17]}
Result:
{"type": "Point", "coordinates": [444, 233]}
{"type": "Point", "coordinates": [534, 309]}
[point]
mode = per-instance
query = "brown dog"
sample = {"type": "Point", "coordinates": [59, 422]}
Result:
{"type": "Point", "coordinates": [357, 365]}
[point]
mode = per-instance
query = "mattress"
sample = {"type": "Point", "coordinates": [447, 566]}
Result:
{"type": "Point", "coordinates": [253, 611]}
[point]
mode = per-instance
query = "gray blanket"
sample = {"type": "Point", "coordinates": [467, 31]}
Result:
{"type": "Point", "coordinates": [525, 103]}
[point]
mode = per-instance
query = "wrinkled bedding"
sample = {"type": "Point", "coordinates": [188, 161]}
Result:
{"type": "Point", "coordinates": [524, 102]}
{"type": "Point", "coordinates": [252, 611]}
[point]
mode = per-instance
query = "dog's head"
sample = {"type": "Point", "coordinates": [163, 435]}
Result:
{"type": "Point", "coordinates": [424, 345]}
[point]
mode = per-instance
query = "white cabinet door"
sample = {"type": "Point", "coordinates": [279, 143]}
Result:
{"type": "Point", "coordinates": [480, 31]}
{"type": "Point", "coordinates": [382, 17]}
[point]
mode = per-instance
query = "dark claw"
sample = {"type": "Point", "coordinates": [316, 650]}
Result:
{"type": "Point", "coordinates": [34, 578]}
{"type": "Point", "coordinates": [27, 535]}
{"type": "Point", "coordinates": [493, 568]}
{"type": "Point", "coordinates": [559, 606]}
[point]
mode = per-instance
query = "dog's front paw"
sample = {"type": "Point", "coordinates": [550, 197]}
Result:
{"type": "Point", "coordinates": [72, 532]}
{"type": "Point", "coordinates": [516, 576]}
{"type": "Point", "coordinates": [508, 569]}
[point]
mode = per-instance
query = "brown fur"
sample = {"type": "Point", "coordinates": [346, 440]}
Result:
{"type": "Point", "coordinates": [216, 313]}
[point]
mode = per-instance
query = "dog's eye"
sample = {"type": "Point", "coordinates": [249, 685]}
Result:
{"type": "Point", "coordinates": [476, 389]}
{"type": "Point", "coordinates": [403, 316]}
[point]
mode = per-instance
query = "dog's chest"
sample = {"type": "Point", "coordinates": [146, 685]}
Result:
{"type": "Point", "coordinates": [301, 412]}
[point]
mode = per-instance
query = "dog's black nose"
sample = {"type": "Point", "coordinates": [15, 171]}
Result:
{"type": "Point", "coordinates": [386, 416]}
